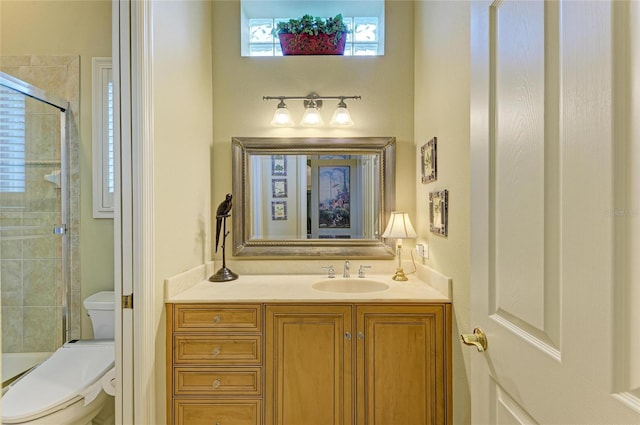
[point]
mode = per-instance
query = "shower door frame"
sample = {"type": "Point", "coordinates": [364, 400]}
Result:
{"type": "Point", "coordinates": [62, 105]}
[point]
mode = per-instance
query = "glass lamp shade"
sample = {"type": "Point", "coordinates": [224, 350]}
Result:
{"type": "Point", "coordinates": [399, 227]}
{"type": "Point", "coordinates": [282, 118]}
{"type": "Point", "coordinates": [341, 118]}
{"type": "Point", "coordinates": [311, 118]}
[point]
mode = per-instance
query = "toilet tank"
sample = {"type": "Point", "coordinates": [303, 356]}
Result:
{"type": "Point", "coordinates": [100, 308]}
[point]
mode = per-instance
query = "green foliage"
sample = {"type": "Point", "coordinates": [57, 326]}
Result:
{"type": "Point", "coordinates": [312, 26]}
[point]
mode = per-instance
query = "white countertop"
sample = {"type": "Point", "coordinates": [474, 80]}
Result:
{"type": "Point", "coordinates": [298, 288]}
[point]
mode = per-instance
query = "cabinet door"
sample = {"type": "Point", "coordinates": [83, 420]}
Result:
{"type": "Point", "coordinates": [402, 365]}
{"type": "Point", "coordinates": [308, 365]}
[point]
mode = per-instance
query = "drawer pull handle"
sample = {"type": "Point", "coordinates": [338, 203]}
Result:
{"type": "Point", "coordinates": [216, 319]}
{"type": "Point", "coordinates": [347, 336]}
{"type": "Point", "coordinates": [216, 383]}
{"type": "Point", "coordinates": [216, 352]}
{"type": "Point", "coordinates": [218, 423]}
{"type": "Point", "coordinates": [360, 336]}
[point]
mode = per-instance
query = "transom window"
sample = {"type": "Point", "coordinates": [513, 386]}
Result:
{"type": "Point", "coordinates": [365, 20]}
{"type": "Point", "coordinates": [362, 40]}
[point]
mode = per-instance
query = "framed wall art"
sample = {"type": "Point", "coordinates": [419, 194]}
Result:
{"type": "Point", "coordinates": [334, 196]}
{"type": "Point", "coordinates": [429, 160]}
{"type": "Point", "coordinates": [278, 210]}
{"type": "Point", "coordinates": [278, 165]}
{"type": "Point", "coordinates": [438, 212]}
{"type": "Point", "coordinates": [279, 188]}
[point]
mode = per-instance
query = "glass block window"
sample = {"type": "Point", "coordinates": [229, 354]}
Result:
{"type": "Point", "coordinates": [12, 141]}
{"type": "Point", "coordinates": [363, 38]}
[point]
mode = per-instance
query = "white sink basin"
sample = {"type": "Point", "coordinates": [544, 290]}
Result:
{"type": "Point", "coordinates": [349, 285]}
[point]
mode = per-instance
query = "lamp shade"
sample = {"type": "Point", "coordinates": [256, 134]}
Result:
{"type": "Point", "coordinates": [311, 118]}
{"type": "Point", "coordinates": [399, 227]}
{"type": "Point", "coordinates": [282, 117]}
{"type": "Point", "coordinates": [341, 118]}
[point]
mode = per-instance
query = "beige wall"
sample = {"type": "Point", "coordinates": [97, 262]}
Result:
{"type": "Point", "coordinates": [182, 134]}
{"type": "Point", "coordinates": [442, 110]}
{"type": "Point", "coordinates": [385, 84]}
{"type": "Point", "coordinates": [83, 28]}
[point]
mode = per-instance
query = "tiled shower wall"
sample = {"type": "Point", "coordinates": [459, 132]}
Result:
{"type": "Point", "coordinates": [31, 260]}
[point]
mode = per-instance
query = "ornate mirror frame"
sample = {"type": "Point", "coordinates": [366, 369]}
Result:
{"type": "Point", "coordinates": [243, 147]}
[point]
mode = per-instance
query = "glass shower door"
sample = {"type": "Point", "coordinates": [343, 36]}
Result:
{"type": "Point", "coordinates": [32, 240]}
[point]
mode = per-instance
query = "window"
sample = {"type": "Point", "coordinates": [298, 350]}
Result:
{"type": "Point", "coordinates": [103, 149]}
{"type": "Point", "coordinates": [365, 20]}
{"type": "Point", "coordinates": [12, 141]}
{"type": "Point", "coordinates": [362, 39]}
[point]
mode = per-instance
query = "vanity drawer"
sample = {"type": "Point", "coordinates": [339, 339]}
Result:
{"type": "Point", "coordinates": [217, 381]}
{"type": "Point", "coordinates": [219, 318]}
{"type": "Point", "coordinates": [217, 349]}
{"type": "Point", "coordinates": [217, 412]}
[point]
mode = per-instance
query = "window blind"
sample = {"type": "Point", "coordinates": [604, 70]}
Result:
{"type": "Point", "coordinates": [12, 141]}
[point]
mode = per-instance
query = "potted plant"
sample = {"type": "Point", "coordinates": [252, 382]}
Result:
{"type": "Point", "coordinates": [312, 36]}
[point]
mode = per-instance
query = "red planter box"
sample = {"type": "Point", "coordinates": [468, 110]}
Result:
{"type": "Point", "coordinates": [305, 44]}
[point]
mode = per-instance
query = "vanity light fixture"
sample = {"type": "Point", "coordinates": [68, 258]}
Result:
{"type": "Point", "coordinates": [341, 116]}
{"type": "Point", "coordinates": [399, 227]}
{"type": "Point", "coordinates": [282, 116]}
{"type": "Point", "coordinates": [311, 117]}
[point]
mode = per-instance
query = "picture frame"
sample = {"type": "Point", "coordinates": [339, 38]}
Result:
{"type": "Point", "coordinates": [278, 165]}
{"type": "Point", "coordinates": [439, 212]}
{"type": "Point", "coordinates": [429, 161]}
{"type": "Point", "coordinates": [279, 188]}
{"type": "Point", "coordinates": [278, 210]}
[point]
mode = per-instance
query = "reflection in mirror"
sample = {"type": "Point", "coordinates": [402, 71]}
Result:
{"type": "Point", "coordinates": [321, 196]}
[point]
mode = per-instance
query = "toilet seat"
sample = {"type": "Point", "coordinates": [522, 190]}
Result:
{"type": "Point", "coordinates": [59, 381]}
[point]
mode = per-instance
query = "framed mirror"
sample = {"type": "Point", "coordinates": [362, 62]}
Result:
{"type": "Point", "coordinates": [328, 197]}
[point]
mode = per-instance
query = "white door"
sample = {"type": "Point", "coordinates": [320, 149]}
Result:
{"type": "Point", "coordinates": [555, 212]}
{"type": "Point", "coordinates": [123, 245]}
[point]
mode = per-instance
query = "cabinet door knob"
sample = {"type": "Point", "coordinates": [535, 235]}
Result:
{"type": "Point", "coordinates": [216, 351]}
{"type": "Point", "coordinates": [216, 319]}
{"type": "Point", "coordinates": [360, 336]}
{"type": "Point", "coordinates": [347, 336]}
{"type": "Point", "coordinates": [216, 383]}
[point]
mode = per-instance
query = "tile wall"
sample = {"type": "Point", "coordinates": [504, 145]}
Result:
{"type": "Point", "coordinates": [31, 260]}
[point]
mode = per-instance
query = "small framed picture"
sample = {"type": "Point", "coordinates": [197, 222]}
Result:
{"type": "Point", "coordinates": [279, 188]}
{"type": "Point", "coordinates": [278, 210]}
{"type": "Point", "coordinates": [438, 212]}
{"type": "Point", "coordinates": [429, 161]}
{"type": "Point", "coordinates": [278, 165]}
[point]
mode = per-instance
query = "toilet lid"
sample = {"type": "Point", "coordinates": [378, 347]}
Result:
{"type": "Point", "coordinates": [57, 381]}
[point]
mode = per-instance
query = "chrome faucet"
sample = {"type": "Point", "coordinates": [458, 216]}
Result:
{"type": "Point", "coordinates": [361, 271]}
{"type": "Point", "coordinates": [346, 269]}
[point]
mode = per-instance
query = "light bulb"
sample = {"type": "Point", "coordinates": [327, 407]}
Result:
{"type": "Point", "coordinates": [341, 118]}
{"type": "Point", "coordinates": [282, 116]}
{"type": "Point", "coordinates": [311, 118]}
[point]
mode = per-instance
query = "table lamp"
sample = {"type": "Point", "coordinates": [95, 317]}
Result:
{"type": "Point", "coordinates": [399, 227]}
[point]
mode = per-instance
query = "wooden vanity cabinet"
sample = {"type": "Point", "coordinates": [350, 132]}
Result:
{"type": "Point", "coordinates": [324, 364]}
{"type": "Point", "coordinates": [214, 364]}
{"type": "Point", "coordinates": [308, 364]}
{"type": "Point", "coordinates": [403, 364]}
{"type": "Point", "coordinates": [388, 365]}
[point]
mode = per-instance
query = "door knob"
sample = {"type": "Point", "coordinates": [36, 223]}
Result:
{"type": "Point", "coordinates": [478, 339]}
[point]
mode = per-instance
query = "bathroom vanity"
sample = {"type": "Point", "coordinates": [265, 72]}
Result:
{"type": "Point", "coordinates": [277, 350]}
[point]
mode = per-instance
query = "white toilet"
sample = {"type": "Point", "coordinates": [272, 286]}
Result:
{"type": "Point", "coordinates": [70, 387]}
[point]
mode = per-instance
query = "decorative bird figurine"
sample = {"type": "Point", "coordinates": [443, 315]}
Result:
{"type": "Point", "coordinates": [222, 212]}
